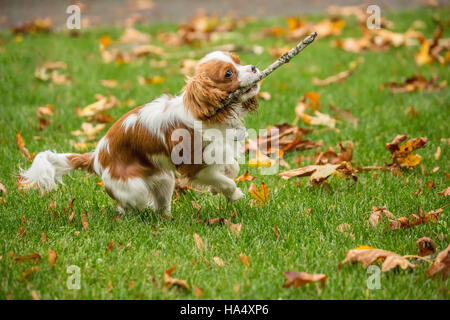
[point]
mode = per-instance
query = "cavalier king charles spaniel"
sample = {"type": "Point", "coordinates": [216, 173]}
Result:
{"type": "Point", "coordinates": [140, 153]}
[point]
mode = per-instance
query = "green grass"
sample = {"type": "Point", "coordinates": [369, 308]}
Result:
{"type": "Point", "coordinates": [307, 243]}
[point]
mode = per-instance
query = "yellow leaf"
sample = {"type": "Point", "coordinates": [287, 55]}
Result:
{"type": "Point", "coordinates": [261, 196]}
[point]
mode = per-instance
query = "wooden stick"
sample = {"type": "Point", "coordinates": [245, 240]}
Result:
{"type": "Point", "coordinates": [285, 58]}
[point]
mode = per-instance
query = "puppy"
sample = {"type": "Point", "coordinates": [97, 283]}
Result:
{"type": "Point", "coordinates": [139, 154]}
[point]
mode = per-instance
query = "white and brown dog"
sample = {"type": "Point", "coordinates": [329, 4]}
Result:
{"type": "Point", "coordinates": [135, 159]}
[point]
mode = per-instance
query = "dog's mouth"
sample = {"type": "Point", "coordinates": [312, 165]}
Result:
{"type": "Point", "coordinates": [255, 87]}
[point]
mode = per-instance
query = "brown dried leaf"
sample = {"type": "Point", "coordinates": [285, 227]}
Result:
{"type": "Point", "coordinates": [22, 148]}
{"type": "Point", "coordinates": [169, 281]}
{"type": "Point", "coordinates": [368, 256]}
{"type": "Point", "coordinates": [28, 272]}
{"type": "Point", "coordinates": [299, 279]}
{"type": "Point", "coordinates": [426, 246]}
{"type": "Point", "coordinates": [52, 257]}
{"type": "Point", "coordinates": [441, 264]}
{"type": "Point", "coordinates": [84, 222]}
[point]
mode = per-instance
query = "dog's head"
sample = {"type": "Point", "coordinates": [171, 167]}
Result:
{"type": "Point", "coordinates": [216, 76]}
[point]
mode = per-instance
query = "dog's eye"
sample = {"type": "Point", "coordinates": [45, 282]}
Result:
{"type": "Point", "coordinates": [229, 73]}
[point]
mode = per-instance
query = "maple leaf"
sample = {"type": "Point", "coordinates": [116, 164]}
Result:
{"type": "Point", "coordinates": [402, 155]}
{"type": "Point", "coordinates": [169, 281]}
{"type": "Point", "coordinates": [441, 264]}
{"type": "Point", "coordinates": [245, 177]}
{"type": "Point", "coordinates": [299, 279]}
{"type": "Point", "coordinates": [368, 256]}
{"type": "Point", "coordinates": [260, 196]}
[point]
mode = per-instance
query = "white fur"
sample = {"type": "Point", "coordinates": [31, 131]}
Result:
{"type": "Point", "coordinates": [163, 112]}
{"type": "Point", "coordinates": [47, 168]}
{"type": "Point", "coordinates": [102, 145]}
{"type": "Point", "coordinates": [130, 121]}
{"type": "Point", "coordinates": [132, 192]}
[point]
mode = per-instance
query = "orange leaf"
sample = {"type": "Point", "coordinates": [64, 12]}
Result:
{"type": "Point", "coordinates": [261, 196]}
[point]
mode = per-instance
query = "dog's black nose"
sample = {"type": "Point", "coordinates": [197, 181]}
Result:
{"type": "Point", "coordinates": [253, 69]}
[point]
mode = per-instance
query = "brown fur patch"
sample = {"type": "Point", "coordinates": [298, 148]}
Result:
{"type": "Point", "coordinates": [81, 161]}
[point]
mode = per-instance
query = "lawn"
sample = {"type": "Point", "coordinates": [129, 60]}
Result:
{"type": "Point", "coordinates": [145, 245]}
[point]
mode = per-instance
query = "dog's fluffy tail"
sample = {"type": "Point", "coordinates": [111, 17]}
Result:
{"type": "Point", "coordinates": [49, 167]}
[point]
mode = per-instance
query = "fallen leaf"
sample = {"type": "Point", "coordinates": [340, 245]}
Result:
{"type": "Point", "coordinates": [218, 261]}
{"type": "Point", "coordinates": [260, 196]}
{"type": "Point", "coordinates": [198, 292]}
{"type": "Point", "coordinates": [34, 295]}
{"type": "Point", "coordinates": [402, 155]}
{"type": "Point", "coordinates": [244, 259]}
{"type": "Point", "coordinates": [132, 35]}
{"type": "Point", "coordinates": [169, 281]}
{"type": "Point", "coordinates": [102, 104]}
{"type": "Point", "coordinates": [445, 192]}
{"type": "Point", "coordinates": [441, 264]}
{"type": "Point", "coordinates": [109, 83]}
{"type": "Point", "coordinates": [376, 215]}
{"type": "Point", "coordinates": [438, 153]}
{"type": "Point", "coordinates": [340, 76]}
{"type": "Point", "coordinates": [236, 228]}
{"type": "Point", "coordinates": [4, 193]}
{"type": "Point", "coordinates": [299, 279]}
{"type": "Point", "coordinates": [43, 237]}
{"type": "Point", "coordinates": [88, 131]}
{"type": "Point", "coordinates": [415, 83]}
{"type": "Point", "coordinates": [368, 256]}
{"type": "Point", "coordinates": [245, 177]}
{"type": "Point", "coordinates": [426, 246]}
{"type": "Point", "coordinates": [198, 241]}
{"type": "Point", "coordinates": [28, 272]}
{"type": "Point", "coordinates": [84, 222]}
{"type": "Point", "coordinates": [22, 148]}
{"type": "Point", "coordinates": [319, 173]}
{"type": "Point", "coordinates": [52, 256]}
{"type": "Point", "coordinates": [151, 80]}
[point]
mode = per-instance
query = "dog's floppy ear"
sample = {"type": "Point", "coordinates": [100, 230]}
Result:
{"type": "Point", "coordinates": [251, 104]}
{"type": "Point", "coordinates": [202, 97]}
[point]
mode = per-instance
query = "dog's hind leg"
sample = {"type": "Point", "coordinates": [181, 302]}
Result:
{"type": "Point", "coordinates": [161, 186]}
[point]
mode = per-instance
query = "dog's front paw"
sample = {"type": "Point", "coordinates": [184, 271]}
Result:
{"type": "Point", "coordinates": [213, 190]}
{"type": "Point", "coordinates": [237, 195]}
